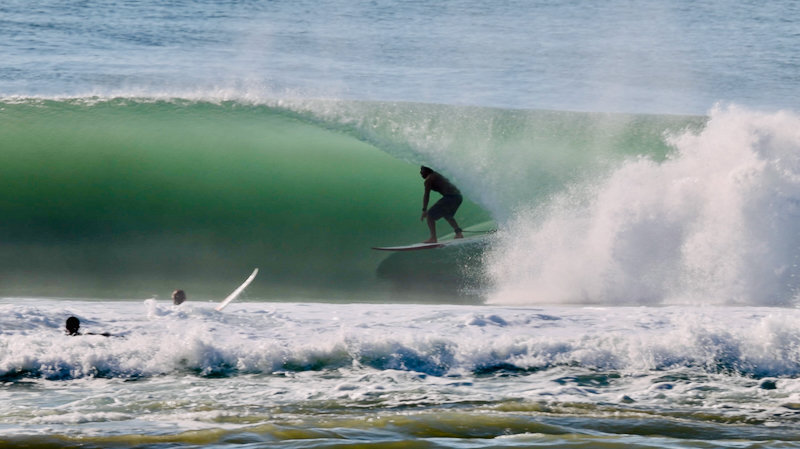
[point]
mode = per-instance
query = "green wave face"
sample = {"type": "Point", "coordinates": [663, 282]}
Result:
{"type": "Point", "coordinates": [124, 198]}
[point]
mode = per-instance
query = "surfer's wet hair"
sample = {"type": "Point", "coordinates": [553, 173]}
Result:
{"type": "Point", "coordinates": [426, 169]}
{"type": "Point", "coordinates": [73, 324]}
{"type": "Point", "coordinates": [178, 297]}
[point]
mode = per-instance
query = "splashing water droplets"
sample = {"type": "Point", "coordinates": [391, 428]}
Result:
{"type": "Point", "coordinates": [714, 223]}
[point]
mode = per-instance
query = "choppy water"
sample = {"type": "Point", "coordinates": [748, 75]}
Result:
{"type": "Point", "coordinates": [323, 375]}
{"type": "Point", "coordinates": [640, 290]}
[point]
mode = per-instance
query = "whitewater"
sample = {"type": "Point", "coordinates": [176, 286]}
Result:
{"type": "Point", "coordinates": [324, 373]}
{"type": "Point", "coordinates": [714, 223]}
{"type": "Point", "coordinates": [632, 170]}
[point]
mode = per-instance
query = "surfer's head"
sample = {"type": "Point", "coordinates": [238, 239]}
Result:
{"type": "Point", "coordinates": [178, 296]}
{"type": "Point", "coordinates": [425, 171]}
{"type": "Point", "coordinates": [73, 324]}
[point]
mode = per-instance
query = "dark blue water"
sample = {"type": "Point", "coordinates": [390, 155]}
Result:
{"type": "Point", "coordinates": [661, 57]}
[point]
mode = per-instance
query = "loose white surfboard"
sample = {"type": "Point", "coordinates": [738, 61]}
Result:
{"type": "Point", "coordinates": [236, 292]}
{"type": "Point", "coordinates": [419, 246]}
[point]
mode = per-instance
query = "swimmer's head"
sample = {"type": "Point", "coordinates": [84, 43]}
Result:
{"type": "Point", "coordinates": [178, 296]}
{"type": "Point", "coordinates": [73, 324]}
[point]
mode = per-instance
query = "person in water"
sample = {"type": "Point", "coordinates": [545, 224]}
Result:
{"type": "Point", "coordinates": [178, 297]}
{"type": "Point", "coordinates": [74, 326]}
{"type": "Point", "coordinates": [445, 208]}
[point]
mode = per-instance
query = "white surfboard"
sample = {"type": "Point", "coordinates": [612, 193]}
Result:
{"type": "Point", "coordinates": [414, 247]}
{"type": "Point", "coordinates": [236, 292]}
{"type": "Point", "coordinates": [419, 246]}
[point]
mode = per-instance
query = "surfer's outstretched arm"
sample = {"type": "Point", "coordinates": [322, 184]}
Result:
{"type": "Point", "coordinates": [426, 198]}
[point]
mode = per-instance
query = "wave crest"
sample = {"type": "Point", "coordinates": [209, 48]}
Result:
{"type": "Point", "coordinates": [715, 223]}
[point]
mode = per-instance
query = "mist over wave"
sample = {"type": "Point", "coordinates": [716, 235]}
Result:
{"type": "Point", "coordinates": [714, 223]}
{"type": "Point", "coordinates": [501, 158]}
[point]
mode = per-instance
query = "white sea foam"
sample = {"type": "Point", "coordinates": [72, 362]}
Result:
{"type": "Point", "coordinates": [177, 368]}
{"type": "Point", "coordinates": [194, 339]}
{"type": "Point", "coordinates": [715, 223]}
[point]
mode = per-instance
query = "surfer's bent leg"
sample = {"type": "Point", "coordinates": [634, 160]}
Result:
{"type": "Point", "coordinates": [445, 208]}
{"type": "Point", "coordinates": [451, 206]}
{"type": "Point", "coordinates": [457, 230]}
{"type": "Point", "coordinates": [432, 227]}
{"type": "Point", "coordinates": [434, 213]}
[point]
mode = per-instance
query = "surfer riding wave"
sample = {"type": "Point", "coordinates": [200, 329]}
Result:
{"type": "Point", "coordinates": [445, 208]}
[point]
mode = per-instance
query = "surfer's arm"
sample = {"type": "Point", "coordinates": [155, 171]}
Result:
{"type": "Point", "coordinates": [426, 198]}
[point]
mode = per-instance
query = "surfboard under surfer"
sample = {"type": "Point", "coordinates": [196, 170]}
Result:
{"type": "Point", "coordinates": [445, 208]}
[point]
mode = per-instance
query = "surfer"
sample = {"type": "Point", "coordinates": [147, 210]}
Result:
{"type": "Point", "coordinates": [178, 297]}
{"type": "Point", "coordinates": [74, 326]}
{"type": "Point", "coordinates": [446, 206]}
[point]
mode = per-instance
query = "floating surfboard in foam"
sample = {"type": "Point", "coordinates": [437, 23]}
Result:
{"type": "Point", "coordinates": [236, 292]}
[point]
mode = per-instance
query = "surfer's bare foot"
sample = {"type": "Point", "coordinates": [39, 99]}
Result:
{"type": "Point", "coordinates": [459, 235]}
{"type": "Point", "coordinates": [431, 240]}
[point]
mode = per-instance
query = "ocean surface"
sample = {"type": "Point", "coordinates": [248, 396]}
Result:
{"type": "Point", "coordinates": [631, 174]}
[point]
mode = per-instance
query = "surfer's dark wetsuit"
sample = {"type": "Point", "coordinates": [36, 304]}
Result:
{"type": "Point", "coordinates": [446, 207]}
